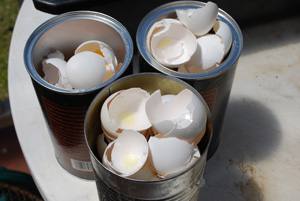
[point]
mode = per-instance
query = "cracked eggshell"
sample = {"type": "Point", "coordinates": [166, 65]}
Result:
{"type": "Point", "coordinates": [125, 110]}
{"type": "Point", "coordinates": [85, 70]}
{"type": "Point", "coordinates": [127, 154]}
{"type": "Point", "coordinates": [184, 116]}
{"type": "Point", "coordinates": [54, 69]}
{"type": "Point", "coordinates": [105, 51]}
{"type": "Point", "coordinates": [223, 30]}
{"type": "Point", "coordinates": [212, 50]}
{"type": "Point", "coordinates": [170, 43]}
{"type": "Point", "coordinates": [199, 20]}
{"type": "Point", "coordinates": [170, 156]}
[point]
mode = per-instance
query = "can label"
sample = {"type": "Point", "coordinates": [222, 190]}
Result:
{"type": "Point", "coordinates": [67, 126]}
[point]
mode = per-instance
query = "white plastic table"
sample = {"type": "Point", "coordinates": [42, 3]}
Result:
{"type": "Point", "coordinates": [258, 157]}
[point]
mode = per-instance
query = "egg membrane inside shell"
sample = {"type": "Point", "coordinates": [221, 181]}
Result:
{"type": "Point", "coordinates": [184, 116]}
{"type": "Point", "coordinates": [125, 110]}
{"type": "Point", "coordinates": [128, 154]}
{"type": "Point", "coordinates": [103, 50]}
{"type": "Point", "coordinates": [172, 45]}
{"type": "Point", "coordinates": [199, 20]}
{"type": "Point", "coordinates": [170, 155]}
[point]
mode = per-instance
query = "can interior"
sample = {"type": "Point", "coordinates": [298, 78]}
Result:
{"type": "Point", "coordinates": [67, 35]}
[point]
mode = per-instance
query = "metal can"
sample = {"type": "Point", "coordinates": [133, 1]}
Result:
{"type": "Point", "coordinates": [110, 186]}
{"type": "Point", "coordinates": [214, 85]}
{"type": "Point", "coordinates": [63, 109]}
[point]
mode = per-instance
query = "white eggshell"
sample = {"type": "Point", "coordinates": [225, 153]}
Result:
{"type": "Point", "coordinates": [126, 111]}
{"type": "Point", "coordinates": [169, 155]}
{"type": "Point", "coordinates": [173, 45]}
{"type": "Point", "coordinates": [212, 50]}
{"type": "Point", "coordinates": [85, 70]}
{"type": "Point", "coordinates": [102, 49]}
{"type": "Point", "coordinates": [128, 154]}
{"type": "Point", "coordinates": [54, 70]}
{"type": "Point", "coordinates": [184, 116]}
{"type": "Point", "coordinates": [200, 20]}
{"type": "Point", "coordinates": [146, 173]}
{"type": "Point", "coordinates": [223, 30]}
{"type": "Point", "coordinates": [158, 26]}
{"type": "Point", "coordinates": [110, 126]}
{"type": "Point", "coordinates": [56, 54]}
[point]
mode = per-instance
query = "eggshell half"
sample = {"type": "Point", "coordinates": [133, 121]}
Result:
{"type": "Point", "coordinates": [173, 45]}
{"type": "Point", "coordinates": [128, 154]}
{"type": "Point", "coordinates": [200, 20]}
{"type": "Point", "coordinates": [103, 50]}
{"type": "Point", "coordinates": [184, 116]}
{"type": "Point", "coordinates": [212, 50]}
{"type": "Point", "coordinates": [125, 110]}
{"type": "Point", "coordinates": [85, 70]}
{"type": "Point", "coordinates": [170, 155]}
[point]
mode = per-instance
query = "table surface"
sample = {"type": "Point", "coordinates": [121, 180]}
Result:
{"type": "Point", "coordinates": [258, 156]}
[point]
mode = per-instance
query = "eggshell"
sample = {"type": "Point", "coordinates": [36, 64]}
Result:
{"type": "Point", "coordinates": [105, 51]}
{"type": "Point", "coordinates": [223, 30]}
{"type": "Point", "coordinates": [85, 70]}
{"type": "Point", "coordinates": [200, 20]}
{"type": "Point", "coordinates": [172, 45]}
{"type": "Point", "coordinates": [169, 155]}
{"type": "Point", "coordinates": [125, 110]}
{"type": "Point", "coordinates": [56, 54]}
{"type": "Point", "coordinates": [128, 154]}
{"type": "Point", "coordinates": [212, 50]}
{"type": "Point", "coordinates": [184, 116]}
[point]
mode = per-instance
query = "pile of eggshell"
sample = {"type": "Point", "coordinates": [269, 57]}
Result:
{"type": "Point", "coordinates": [93, 63]}
{"type": "Point", "coordinates": [150, 136]}
{"type": "Point", "coordinates": [195, 42]}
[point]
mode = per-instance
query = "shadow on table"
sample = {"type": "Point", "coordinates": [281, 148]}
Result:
{"type": "Point", "coordinates": [251, 133]}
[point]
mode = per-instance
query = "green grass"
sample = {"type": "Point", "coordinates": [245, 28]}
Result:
{"type": "Point", "coordinates": [8, 14]}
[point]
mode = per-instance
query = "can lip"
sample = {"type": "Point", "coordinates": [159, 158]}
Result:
{"type": "Point", "coordinates": [74, 15]}
{"type": "Point", "coordinates": [168, 8]}
{"type": "Point", "coordinates": [147, 74]}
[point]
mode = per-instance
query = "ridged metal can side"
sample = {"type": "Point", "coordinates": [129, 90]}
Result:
{"type": "Point", "coordinates": [214, 85]}
{"type": "Point", "coordinates": [64, 110]}
{"type": "Point", "coordinates": [110, 186]}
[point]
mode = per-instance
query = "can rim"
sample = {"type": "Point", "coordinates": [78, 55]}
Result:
{"type": "Point", "coordinates": [147, 74]}
{"type": "Point", "coordinates": [167, 8]}
{"type": "Point", "coordinates": [74, 15]}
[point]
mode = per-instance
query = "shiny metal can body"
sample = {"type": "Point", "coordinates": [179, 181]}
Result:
{"type": "Point", "coordinates": [214, 85]}
{"type": "Point", "coordinates": [110, 186]}
{"type": "Point", "coordinates": [64, 109]}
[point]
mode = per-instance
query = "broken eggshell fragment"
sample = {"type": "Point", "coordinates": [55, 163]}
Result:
{"type": "Point", "coordinates": [170, 156]}
{"type": "Point", "coordinates": [103, 50]}
{"type": "Point", "coordinates": [171, 43]}
{"type": "Point", "coordinates": [223, 30]}
{"type": "Point", "coordinates": [54, 69]}
{"type": "Point", "coordinates": [184, 116]}
{"type": "Point", "coordinates": [125, 110]}
{"type": "Point", "coordinates": [127, 154]}
{"type": "Point", "coordinates": [199, 20]}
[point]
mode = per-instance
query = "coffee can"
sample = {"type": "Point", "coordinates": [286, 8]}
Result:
{"type": "Point", "coordinates": [64, 109]}
{"type": "Point", "coordinates": [183, 186]}
{"type": "Point", "coordinates": [214, 85]}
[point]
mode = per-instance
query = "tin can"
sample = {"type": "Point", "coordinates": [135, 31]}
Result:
{"type": "Point", "coordinates": [110, 186]}
{"type": "Point", "coordinates": [63, 109]}
{"type": "Point", "coordinates": [214, 85]}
